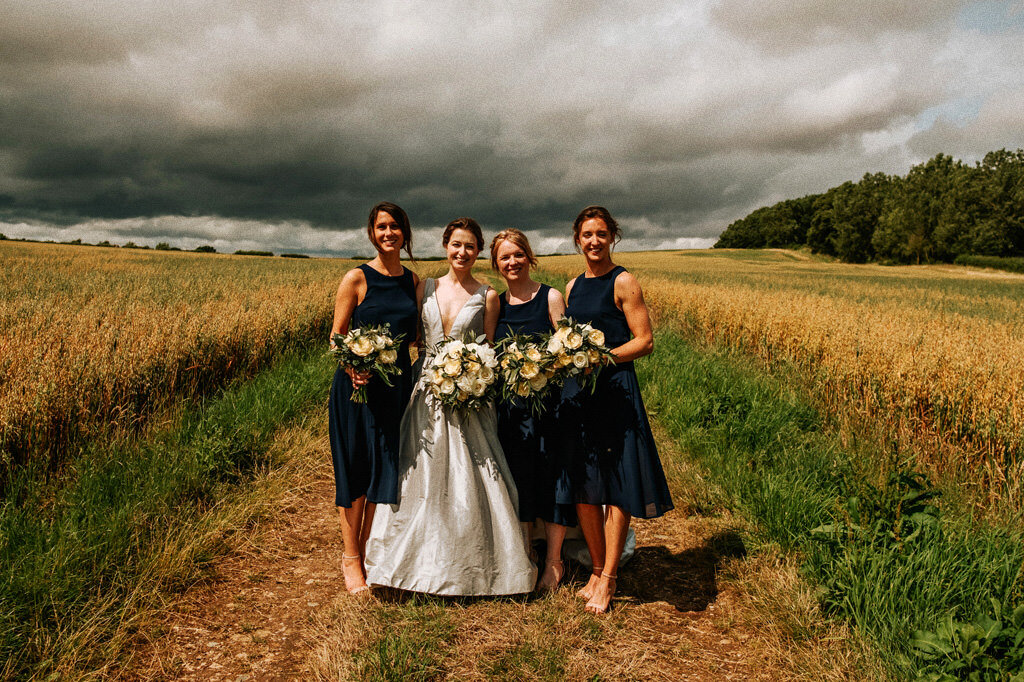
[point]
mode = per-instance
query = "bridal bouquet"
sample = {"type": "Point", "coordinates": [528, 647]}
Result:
{"type": "Point", "coordinates": [579, 351]}
{"type": "Point", "coordinates": [368, 349]}
{"type": "Point", "coordinates": [462, 375]}
{"type": "Point", "coordinates": [527, 369]}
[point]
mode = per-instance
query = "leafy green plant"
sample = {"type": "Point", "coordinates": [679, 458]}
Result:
{"type": "Point", "coordinates": [987, 648]}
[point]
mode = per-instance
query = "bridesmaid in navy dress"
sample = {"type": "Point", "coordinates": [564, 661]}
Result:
{"type": "Point", "coordinates": [613, 461]}
{"type": "Point", "coordinates": [529, 308]}
{"type": "Point", "coordinates": [364, 436]}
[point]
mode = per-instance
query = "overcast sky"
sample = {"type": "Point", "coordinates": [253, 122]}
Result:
{"type": "Point", "coordinates": [277, 124]}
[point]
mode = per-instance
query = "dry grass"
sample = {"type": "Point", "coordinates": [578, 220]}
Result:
{"type": "Point", "coordinates": [97, 337]}
{"type": "Point", "coordinates": [925, 357]}
{"type": "Point", "coordinates": [686, 610]}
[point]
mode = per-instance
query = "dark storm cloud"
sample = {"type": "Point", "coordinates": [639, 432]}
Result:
{"type": "Point", "coordinates": [202, 122]}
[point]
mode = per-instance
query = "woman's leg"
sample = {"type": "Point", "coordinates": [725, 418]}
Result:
{"type": "Point", "coordinates": [616, 526]}
{"type": "Point", "coordinates": [591, 518]}
{"type": "Point", "coordinates": [352, 554]}
{"type": "Point", "coordinates": [554, 533]}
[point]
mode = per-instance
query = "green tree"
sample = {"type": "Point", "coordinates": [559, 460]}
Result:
{"type": "Point", "coordinates": [856, 212]}
{"type": "Point", "coordinates": [163, 246]}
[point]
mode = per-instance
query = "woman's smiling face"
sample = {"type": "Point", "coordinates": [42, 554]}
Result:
{"type": "Point", "coordinates": [462, 249]}
{"type": "Point", "coordinates": [513, 262]}
{"type": "Point", "coordinates": [387, 235]}
{"type": "Point", "coordinates": [595, 240]}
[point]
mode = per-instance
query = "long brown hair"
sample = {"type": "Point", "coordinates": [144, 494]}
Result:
{"type": "Point", "coordinates": [399, 216]}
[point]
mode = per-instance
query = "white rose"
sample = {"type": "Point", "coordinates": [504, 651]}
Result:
{"type": "Point", "coordinates": [538, 382]}
{"type": "Point", "coordinates": [388, 357]}
{"type": "Point", "coordinates": [563, 360]}
{"type": "Point", "coordinates": [452, 367]}
{"type": "Point", "coordinates": [472, 366]}
{"type": "Point", "coordinates": [580, 360]}
{"type": "Point", "coordinates": [530, 370]}
{"type": "Point", "coordinates": [379, 342]}
{"type": "Point", "coordinates": [447, 386]}
{"type": "Point", "coordinates": [574, 340]}
{"type": "Point", "coordinates": [533, 353]}
{"type": "Point", "coordinates": [361, 346]}
{"type": "Point", "coordinates": [562, 332]}
{"type": "Point", "coordinates": [596, 337]}
{"type": "Point", "coordinates": [487, 374]}
{"type": "Point", "coordinates": [555, 345]}
{"type": "Point", "coordinates": [465, 383]}
{"type": "Point", "coordinates": [487, 356]}
{"type": "Point", "coordinates": [456, 346]}
{"type": "Point", "coordinates": [479, 386]}
{"type": "Point", "coordinates": [523, 390]}
{"type": "Point", "coordinates": [594, 357]}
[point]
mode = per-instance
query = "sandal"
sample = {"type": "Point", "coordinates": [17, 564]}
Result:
{"type": "Point", "coordinates": [596, 607]}
{"type": "Point", "coordinates": [358, 589]}
{"type": "Point", "coordinates": [584, 592]}
{"type": "Point", "coordinates": [558, 568]}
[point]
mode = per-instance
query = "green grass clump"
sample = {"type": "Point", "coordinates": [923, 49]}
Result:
{"type": "Point", "coordinates": [884, 554]}
{"type": "Point", "coordinates": [412, 645]}
{"type": "Point", "coordinates": [133, 521]}
{"type": "Point", "coordinates": [994, 262]}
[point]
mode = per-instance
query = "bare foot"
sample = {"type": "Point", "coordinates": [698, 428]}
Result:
{"type": "Point", "coordinates": [587, 591]}
{"type": "Point", "coordinates": [352, 569]}
{"type": "Point", "coordinates": [553, 572]}
{"type": "Point", "coordinates": [601, 597]}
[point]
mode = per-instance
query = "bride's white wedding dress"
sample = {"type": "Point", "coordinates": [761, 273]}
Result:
{"type": "Point", "coordinates": [455, 530]}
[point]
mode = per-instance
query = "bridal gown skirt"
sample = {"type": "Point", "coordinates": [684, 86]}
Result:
{"type": "Point", "coordinates": [455, 530]}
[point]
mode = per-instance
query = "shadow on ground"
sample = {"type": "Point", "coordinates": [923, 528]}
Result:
{"type": "Point", "coordinates": [686, 580]}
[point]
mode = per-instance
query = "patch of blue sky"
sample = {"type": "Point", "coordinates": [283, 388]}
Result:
{"type": "Point", "coordinates": [992, 16]}
{"type": "Point", "coordinates": [959, 112]}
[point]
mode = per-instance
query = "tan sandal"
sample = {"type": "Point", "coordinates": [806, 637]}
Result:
{"type": "Point", "coordinates": [559, 568]}
{"type": "Point", "coordinates": [583, 593]}
{"type": "Point", "coordinates": [358, 589]}
{"type": "Point", "coordinates": [596, 607]}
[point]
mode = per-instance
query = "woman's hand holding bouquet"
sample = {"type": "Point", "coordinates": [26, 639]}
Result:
{"type": "Point", "coordinates": [368, 349]}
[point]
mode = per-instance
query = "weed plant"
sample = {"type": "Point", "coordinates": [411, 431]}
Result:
{"type": "Point", "coordinates": [83, 561]}
{"type": "Point", "coordinates": [882, 552]}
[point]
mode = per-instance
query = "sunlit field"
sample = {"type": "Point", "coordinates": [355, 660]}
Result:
{"type": "Point", "coordinates": [927, 357]}
{"type": "Point", "coordinates": [95, 338]}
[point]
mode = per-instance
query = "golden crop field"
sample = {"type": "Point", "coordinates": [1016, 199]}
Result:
{"type": "Point", "coordinates": [97, 337]}
{"type": "Point", "coordinates": [926, 356]}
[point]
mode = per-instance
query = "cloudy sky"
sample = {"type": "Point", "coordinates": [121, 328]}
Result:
{"type": "Point", "coordinates": [276, 124]}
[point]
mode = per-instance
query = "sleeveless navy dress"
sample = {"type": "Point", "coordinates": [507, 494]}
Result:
{"type": "Point", "coordinates": [364, 436]}
{"type": "Point", "coordinates": [523, 437]}
{"type": "Point", "coordinates": [611, 456]}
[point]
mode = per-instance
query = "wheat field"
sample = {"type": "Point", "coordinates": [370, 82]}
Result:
{"type": "Point", "coordinates": [928, 358]}
{"type": "Point", "coordinates": [95, 338]}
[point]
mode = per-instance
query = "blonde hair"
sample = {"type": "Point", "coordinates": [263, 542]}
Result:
{"type": "Point", "coordinates": [516, 237]}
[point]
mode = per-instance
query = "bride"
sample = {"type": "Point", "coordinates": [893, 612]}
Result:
{"type": "Point", "coordinates": [455, 530]}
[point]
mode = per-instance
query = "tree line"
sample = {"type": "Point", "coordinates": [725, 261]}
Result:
{"type": "Point", "coordinates": [943, 208]}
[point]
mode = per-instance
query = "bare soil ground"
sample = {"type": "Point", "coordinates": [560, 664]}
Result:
{"type": "Point", "coordinates": [275, 609]}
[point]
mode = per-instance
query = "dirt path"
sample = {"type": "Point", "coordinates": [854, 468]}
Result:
{"type": "Point", "coordinates": [261, 616]}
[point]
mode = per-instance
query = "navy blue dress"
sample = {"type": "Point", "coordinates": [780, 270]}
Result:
{"type": "Point", "coordinates": [523, 437]}
{"type": "Point", "coordinates": [611, 457]}
{"type": "Point", "coordinates": [364, 436]}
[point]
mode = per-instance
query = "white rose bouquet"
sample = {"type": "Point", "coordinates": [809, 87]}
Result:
{"type": "Point", "coordinates": [527, 369]}
{"type": "Point", "coordinates": [579, 351]}
{"type": "Point", "coordinates": [463, 375]}
{"type": "Point", "coordinates": [368, 349]}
